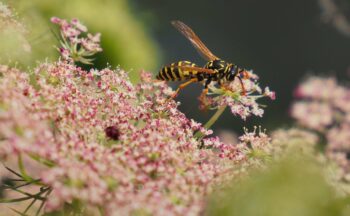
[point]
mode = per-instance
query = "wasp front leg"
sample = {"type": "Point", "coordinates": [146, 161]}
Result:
{"type": "Point", "coordinates": [205, 90]}
{"type": "Point", "coordinates": [244, 92]}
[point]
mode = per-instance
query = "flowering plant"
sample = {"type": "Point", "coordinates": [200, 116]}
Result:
{"type": "Point", "coordinates": [80, 141]}
{"type": "Point", "coordinates": [91, 138]}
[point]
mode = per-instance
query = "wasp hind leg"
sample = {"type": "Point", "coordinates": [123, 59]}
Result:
{"type": "Point", "coordinates": [183, 85]}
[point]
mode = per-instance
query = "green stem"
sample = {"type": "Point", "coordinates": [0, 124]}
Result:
{"type": "Point", "coordinates": [43, 202]}
{"type": "Point", "coordinates": [211, 121]}
{"type": "Point", "coordinates": [42, 160]}
{"type": "Point", "coordinates": [215, 117]}
{"type": "Point", "coordinates": [101, 211]}
{"type": "Point", "coordinates": [24, 174]}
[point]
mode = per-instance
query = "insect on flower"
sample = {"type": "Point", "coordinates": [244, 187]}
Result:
{"type": "Point", "coordinates": [214, 70]}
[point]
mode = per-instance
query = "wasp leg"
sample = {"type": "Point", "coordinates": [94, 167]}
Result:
{"type": "Point", "coordinates": [242, 85]}
{"type": "Point", "coordinates": [203, 96]}
{"type": "Point", "coordinates": [204, 93]}
{"type": "Point", "coordinates": [157, 80]}
{"type": "Point", "coordinates": [224, 86]}
{"type": "Point", "coordinates": [245, 75]}
{"type": "Point", "coordinates": [219, 83]}
{"type": "Point", "coordinates": [205, 90]}
{"type": "Point", "coordinates": [183, 85]}
{"type": "Point", "coordinates": [203, 100]}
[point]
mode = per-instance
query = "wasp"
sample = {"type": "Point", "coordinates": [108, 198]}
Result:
{"type": "Point", "coordinates": [215, 69]}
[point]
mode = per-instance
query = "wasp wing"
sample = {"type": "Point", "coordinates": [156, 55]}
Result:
{"type": "Point", "coordinates": [194, 39]}
{"type": "Point", "coordinates": [191, 68]}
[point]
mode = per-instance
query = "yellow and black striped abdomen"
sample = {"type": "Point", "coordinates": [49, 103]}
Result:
{"type": "Point", "coordinates": [176, 72]}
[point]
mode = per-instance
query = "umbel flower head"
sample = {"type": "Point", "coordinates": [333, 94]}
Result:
{"type": "Point", "coordinates": [108, 143]}
{"type": "Point", "coordinates": [241, 98]}
{"type": "Point", "coordinates": [75, 47]}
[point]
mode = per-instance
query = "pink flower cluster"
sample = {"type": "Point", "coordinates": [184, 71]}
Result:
{"type": "Point", "coordinates": [70, 118]}
{"type": "Point", "coordinates": [324, 106]}
{"type": "Point", "coordinates": [241, 102]}
{"type": "Point", "coordinates": [74, 47]}
{"type": "Point", "coordinates": [121, 148]}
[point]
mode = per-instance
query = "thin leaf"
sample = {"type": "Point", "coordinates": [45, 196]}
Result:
{"type": "Point", "coordinates": [29, 206]}
{"type": "Point", "coordinates": [34, 196]}
{"type": "Point", "coordinates": [42, 160]}
{"type": "Point", "coordinates": [12, 171]}
{"type": "Point", "coordinates": [14, 180]}
{"type": "Point", "coordinates": [19, 186]}
{"type": "Point", "coordinates": [14, 200]}
{"type": "Point", "coordinates": [18, 212]}
{"type": "Point", "coordinates": [22, 169]}
{"type": "Point", "coordinates": [42, 203]}
{"type": "Point", "coordinates": [23, 192]}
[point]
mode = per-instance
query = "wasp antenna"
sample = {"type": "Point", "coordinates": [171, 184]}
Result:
{"type": "Point", "coordinates": [174, 22]}
{"type": "Point", "coordinates": [180, 26]}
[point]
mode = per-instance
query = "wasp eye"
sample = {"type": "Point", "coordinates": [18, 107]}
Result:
{"type": "Point", "coordinates": [241, 75]}
{"type": "Point", "coordinates": [233, 70]}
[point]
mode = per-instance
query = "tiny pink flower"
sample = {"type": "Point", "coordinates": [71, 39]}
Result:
{"type": "Point", "coordinates": [78, 25]}
{"type": "Point", "coordinates": [270, 94]}
{"type": "Point", "coordinates": [56, 20]}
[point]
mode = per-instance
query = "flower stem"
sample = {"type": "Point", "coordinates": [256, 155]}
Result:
{"type": "Point", "coordinates": [215, 117]}
{"type": "Point", "coordinates": [24, 174]}
{"type": "Point", "coordinates": [211, 121]}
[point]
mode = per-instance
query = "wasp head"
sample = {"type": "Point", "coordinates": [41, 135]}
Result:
{"type": "Point", "coordinates": [236, 71]}
{"type": "Point", "coordinates": [232, 72]}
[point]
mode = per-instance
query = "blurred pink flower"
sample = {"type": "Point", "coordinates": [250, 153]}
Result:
{"type": "Point", "coordinates": [324, 106]}
{"type": "Point", "coordinates": [315, 115]}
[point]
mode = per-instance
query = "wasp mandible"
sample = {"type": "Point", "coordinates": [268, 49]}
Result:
{"type": "Point", "coordinates": [214, 70]}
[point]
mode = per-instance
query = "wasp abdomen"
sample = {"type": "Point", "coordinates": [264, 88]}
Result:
{"type": "Point", "coordinates": [177, 71]}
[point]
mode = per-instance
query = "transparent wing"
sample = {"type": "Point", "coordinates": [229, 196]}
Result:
{"type": "Point", "coordinates": [194, 39]}
{"type": "Point", "coordinates": [197, 69]}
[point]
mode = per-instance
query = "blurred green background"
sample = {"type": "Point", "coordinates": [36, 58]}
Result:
{"type": "Point", "coordinates": [294, 186]}
{"type": "Point", "coordinates": [281, 40]}
{"type": "Point", "coordinates": [125, 40]}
